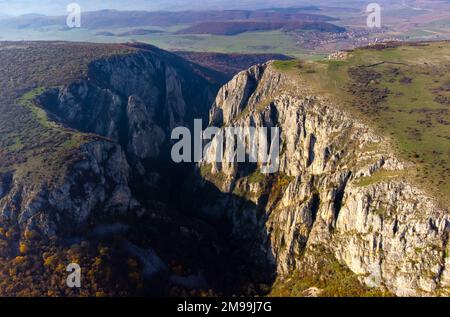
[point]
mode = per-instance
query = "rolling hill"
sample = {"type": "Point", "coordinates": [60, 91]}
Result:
{"type": "Point", "coordinates": [233, 28]}
{"type": "Point", "coordinates": [229, 64]}
{"type": "Point", "coordinates": [120, 19]}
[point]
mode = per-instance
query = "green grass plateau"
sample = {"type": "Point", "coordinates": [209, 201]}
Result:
{"type": "Point", "coordinates": [403, 91]}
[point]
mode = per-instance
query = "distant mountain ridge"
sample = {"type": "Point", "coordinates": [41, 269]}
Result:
{"type": "Point", "coordinates": [117, 19]}
{"type": "Point", "coordinates": [234, 28]}
{"type": "Point", "coordinates": [229, 64]}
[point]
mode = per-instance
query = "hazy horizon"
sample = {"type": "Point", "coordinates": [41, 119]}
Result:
{"type": "Point", "coordinates": [58, 7]}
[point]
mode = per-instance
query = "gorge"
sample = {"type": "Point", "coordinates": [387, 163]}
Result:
{"type": "Point", "coordinates": [100, 188]}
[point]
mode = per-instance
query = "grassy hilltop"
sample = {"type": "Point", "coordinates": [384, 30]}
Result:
{"type": "Point", "coordinates": [402, 90]}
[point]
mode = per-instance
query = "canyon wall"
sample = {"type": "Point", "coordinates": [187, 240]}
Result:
{"type": "Point", "coordinates": [340, 190]}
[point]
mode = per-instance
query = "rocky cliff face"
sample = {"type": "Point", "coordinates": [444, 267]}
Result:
{"type": "Point", "coordinates": [339, 188]}
{"type": "Point", "coordinates": [98, 183]}
{"type": "Point", "coordinates": [128, 98]}
{"type": "Point", "coordinates": [132, 100]}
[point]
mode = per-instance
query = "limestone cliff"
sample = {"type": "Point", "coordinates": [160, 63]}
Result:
{"type": "Point", "coordinates": [124, 107]}
{"type": "Point", "coordinates": [339, 188]}
{"type": "Point", "coordinates": [97, 183]}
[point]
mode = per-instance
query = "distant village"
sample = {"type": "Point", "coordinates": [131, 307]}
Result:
{"type": "Point", "coordinates": [347, 40]}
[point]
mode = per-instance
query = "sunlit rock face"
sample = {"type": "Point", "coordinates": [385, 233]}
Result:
{"type": "Point", "coordinates": [340, 188]}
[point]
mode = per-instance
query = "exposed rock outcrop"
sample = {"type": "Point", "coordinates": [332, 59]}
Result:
{"type": "Point", "coordinates": [339, 187]}
{"type": "Point", "coordinates": [160, 87]}
{"type": "Point", "coordinates": [144, 136]}
{"type": "Point", "coordinates": [98, 183]}
{"type": "Point", "coordinates": [133, 100]}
